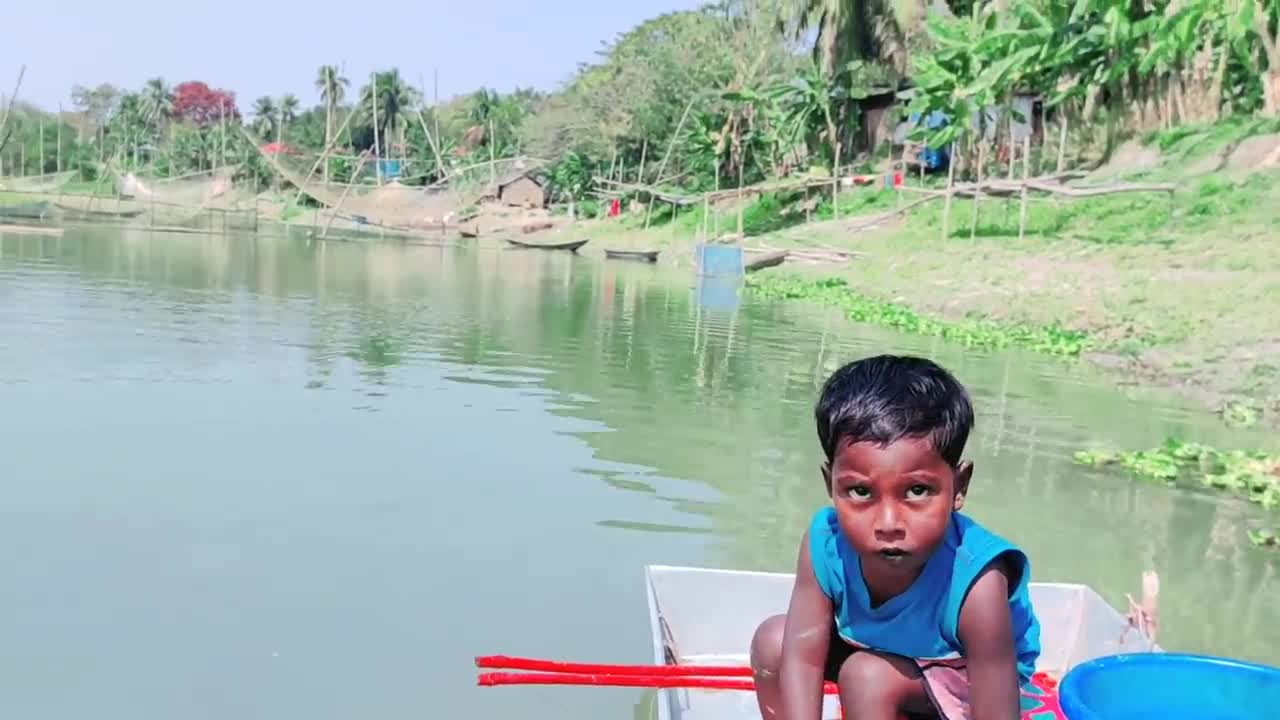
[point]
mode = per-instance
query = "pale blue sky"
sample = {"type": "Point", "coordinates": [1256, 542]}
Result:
{"type": "Point", "coordinates": [261, 47]}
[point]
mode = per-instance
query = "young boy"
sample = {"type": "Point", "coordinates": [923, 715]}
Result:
{"type": "Point", "coordinates": [909, 606]}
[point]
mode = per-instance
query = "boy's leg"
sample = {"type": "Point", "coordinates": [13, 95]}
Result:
{"type": "Point", "coordinates": [766, 659]}
{"type": "Point", "coordinates": [882, 687]}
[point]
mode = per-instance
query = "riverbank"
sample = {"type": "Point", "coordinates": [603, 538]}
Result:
{"type": "Point", "coordinates": [1176, 291]}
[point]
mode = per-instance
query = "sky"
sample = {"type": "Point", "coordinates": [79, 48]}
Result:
{"type": "Point", "coordinates": [273, 47]}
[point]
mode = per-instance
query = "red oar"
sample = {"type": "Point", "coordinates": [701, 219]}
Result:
{"type": "Point", "coordinates": [507, 662]}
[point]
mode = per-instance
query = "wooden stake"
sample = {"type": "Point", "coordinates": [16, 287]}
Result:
{"type": "Point", "coordinates": [40, 129]}
{"type": "Point", "coordinates": [951, 181]}
{"type": "Point", "coordinates": [1062, 138]}
{"type": "Point", "coordinates": [59, 151]}
{"type": "Point", "coordinates": [1026, 175]}
{"type": "Point", "coordinates": [835, 184]}
{"type": "Point", "coordinates": [742, 164]}
{"type": "Point", "coordinates": [977, 188]}
{"type": "Point", "coordinates": [644, 148]}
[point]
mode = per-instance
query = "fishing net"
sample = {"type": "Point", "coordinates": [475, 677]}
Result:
{"type": "Point", "coordinates": [193, 190]}
{"type": "Point", "coordinates": [50, 182]}
{"type": "Point", "coordinates": [373, 198]}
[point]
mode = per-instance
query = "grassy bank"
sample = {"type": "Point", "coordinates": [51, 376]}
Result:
{"type": "Point", "coordinates": [1179, 291]}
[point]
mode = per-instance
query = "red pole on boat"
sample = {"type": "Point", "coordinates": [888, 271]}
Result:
{"type": "Point", "coordinates": [625, 680]}
{"type": "Point", "coordinates": [507, 662]}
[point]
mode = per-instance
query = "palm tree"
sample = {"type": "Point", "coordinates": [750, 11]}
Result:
{"type": "Point", "coordinates": [288, 110]}
{"type": "Point", "coordinates": [264, 116]}
{"type": "Point", "coordinates": [157, 102]}
{"type": "Point", "coordinates": [871, 30]}
{"type": "Point", "coordinates": [395, 99]}
{"type": "Point", "coordinates": [333, 88]}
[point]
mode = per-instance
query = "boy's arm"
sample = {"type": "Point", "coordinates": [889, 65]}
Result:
{"type": "Point", "coordinates": [986, 633]}
{"type": "Point", "coordinates": [804, 643]}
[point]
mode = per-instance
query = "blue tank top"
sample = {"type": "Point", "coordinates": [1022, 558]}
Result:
{"type": "Point", "coordinates": [922, 622]}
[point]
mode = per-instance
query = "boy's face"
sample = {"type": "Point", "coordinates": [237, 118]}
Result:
{"type": "Point", "coordinates": [894, 504]}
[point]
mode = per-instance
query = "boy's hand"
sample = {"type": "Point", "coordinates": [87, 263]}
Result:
{"type": "Point", "coordinates": [986, 633]}
{"type": "Point", "coordinates": [805, 643]}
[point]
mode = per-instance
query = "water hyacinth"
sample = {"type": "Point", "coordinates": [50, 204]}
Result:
{"type": "Point", "coordinates": [1251, 474]}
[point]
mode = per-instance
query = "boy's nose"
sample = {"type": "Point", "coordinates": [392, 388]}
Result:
{"type": "Point", "coordinates": [888, 525]}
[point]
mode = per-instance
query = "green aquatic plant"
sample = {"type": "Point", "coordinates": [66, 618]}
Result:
{"type": "Point", "coordinates": [972, 333]}
{"type": "Point", "coordinates": [1251, 474]}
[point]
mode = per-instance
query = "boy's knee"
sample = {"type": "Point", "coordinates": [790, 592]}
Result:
{"type": "Point", "coordinates": [766, 645]}
{"type": "Point", "coordinates": [876, 678]}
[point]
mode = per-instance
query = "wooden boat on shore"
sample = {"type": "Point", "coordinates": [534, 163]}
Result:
{"type": "Point", "coordinates": [26, 211]}
{"type": "Point", "coordinates": [765, 260]}
{"type": "Point", "coordinates": [571, 245]}
{"type": "Point", "coordinates": [641, 255]}
{"type": "Point", "coordinates": [75, 213]}
{"type": "Point", "coordinates": [701, 616]}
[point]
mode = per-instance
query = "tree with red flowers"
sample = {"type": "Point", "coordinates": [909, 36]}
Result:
{"type": "Point", "coordinates": [203, 106]}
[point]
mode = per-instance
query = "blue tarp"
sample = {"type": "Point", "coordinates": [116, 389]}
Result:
{"type": "Point", "coordinates": [934, 159]}
{"type": "Point", "coordinates": [390, 168]}
{"type": "Point", "coordinates": [719, 260]}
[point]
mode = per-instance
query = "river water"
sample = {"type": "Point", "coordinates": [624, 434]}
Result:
{"type": "Point", "coordinates": [265, 478]}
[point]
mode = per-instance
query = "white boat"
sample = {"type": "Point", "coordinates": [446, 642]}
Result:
{"type": "Point", "coordinates": [702, 616]}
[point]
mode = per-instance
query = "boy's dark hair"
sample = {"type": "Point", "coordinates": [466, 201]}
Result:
{"type": "Point", "coordinates": [886, 398]}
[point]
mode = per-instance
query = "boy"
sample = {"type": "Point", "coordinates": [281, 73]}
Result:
{"type": "Point", "coordinates": [909, 606]}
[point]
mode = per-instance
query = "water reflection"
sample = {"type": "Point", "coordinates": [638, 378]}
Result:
{"type": "Point", "coordinates": [622, 413]}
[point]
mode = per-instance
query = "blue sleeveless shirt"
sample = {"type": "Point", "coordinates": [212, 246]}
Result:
{"type": "Point", "coordinates": [922, 623]}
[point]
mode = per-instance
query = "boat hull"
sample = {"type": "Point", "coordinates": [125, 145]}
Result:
{"type": "Point", "coordinates": [707, 616]}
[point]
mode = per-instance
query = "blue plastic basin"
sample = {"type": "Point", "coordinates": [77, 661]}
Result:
{"type": "Point", "coordinates": [1170, 686]}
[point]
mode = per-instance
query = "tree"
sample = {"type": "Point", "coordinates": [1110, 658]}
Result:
{"type": "Point", "coordinates": [333, 88]}
{"type": "Point", "coordinates": [157, 103]}
{"type": "Point", "coordinates": [195, 102]}
{"type": "Point", "coordinates": [395, 99]}
{"type": "Point", "coordinates": [288, 109]}
{"type": "Point", "coordinates": [265, 116]}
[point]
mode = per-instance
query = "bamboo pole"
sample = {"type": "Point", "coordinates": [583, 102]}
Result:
{"type": "Point", "coordinates": [1062, 138]}
{"type": "Point", "coordinates": [706, 215]}
{"type": "Point", "coordinates": [334, 211]}
{"type": "Point", "coordinates": [977, 192]}
{"type": "Point", "coordinates": [742, 164]}
{"type": "Point", "coordinates": [835, 184]}
{"type": "Point", "coordinates": [493, 167]}
{"type": "Point", "coordinates": [377, 142]}
{"type": "Point", "coordinates": [1026, 175]}
{"type": "Point", "coordinates": [644, 148]}
{"type": "Point", "coordinates": [40, 129]}
{"type": "Point", "coordinates": [951, 181]}
{"type": "Point", "coordinates": [59, 150]}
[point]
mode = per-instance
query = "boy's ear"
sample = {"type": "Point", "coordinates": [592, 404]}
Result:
{"type": "Point", "coordinates": [825, 469]}
{"type": "Point", "coordinates": [964, 471]}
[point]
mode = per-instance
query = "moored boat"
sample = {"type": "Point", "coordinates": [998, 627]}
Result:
{"type": "Point", "coordinates": [702, 616]}
{"type": "Point", "coordinates": [571, 246]}
{"type": "Point", "coordinates": [641, 255]}
{"type": "Point", "coordinates": [26, 211]}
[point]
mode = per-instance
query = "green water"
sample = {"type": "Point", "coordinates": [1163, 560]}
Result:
{"type": "Point", "coordinates": [261, 478]}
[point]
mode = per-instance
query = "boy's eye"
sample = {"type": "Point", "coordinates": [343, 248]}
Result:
{"type": "Point", "coordinates": [860, 491]}
{"type": "Point", "coordinates": [918, 491]}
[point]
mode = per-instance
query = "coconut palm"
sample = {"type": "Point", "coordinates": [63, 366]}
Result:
{"type": "Point", "coordinates": [877, 31]}
{"type": "Point", "coordinates": [288, 110]}
{"type": "Point", "coordinates": [265, 115]}
{"type": "Point", "coordinates": [333, 88]}
{"type": "Point", "coordinates": [395, 100]}
{"type": "Point", "coordinates": [157, 103]}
